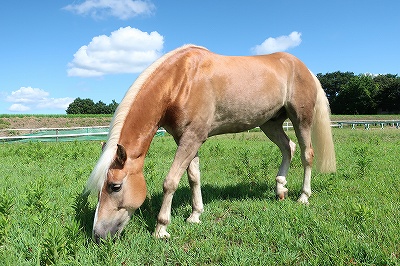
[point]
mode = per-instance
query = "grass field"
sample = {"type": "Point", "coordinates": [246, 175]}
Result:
{"type": "Point", "coordinates": [352, 218]}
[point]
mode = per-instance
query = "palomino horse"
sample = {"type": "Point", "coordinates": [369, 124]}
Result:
{"type": "Point", "coordinates": [194, 93]}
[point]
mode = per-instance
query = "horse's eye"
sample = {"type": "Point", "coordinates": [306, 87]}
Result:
{"type": "Point", "coordinates": [114, 187]}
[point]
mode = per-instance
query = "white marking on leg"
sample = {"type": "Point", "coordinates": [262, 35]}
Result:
{"type": "Point", "coordinates": [281, 191]}
{"type": "Point", "coordinates": [292, 149]}
{"type": "Point", "coordinates": [197, 200]}
{"type": "Point", "coordinates": [306, 190]}
{"type": "Point", "coordinates": [161, 231]}
{"type": "Point", "coordinates": [184, 155]}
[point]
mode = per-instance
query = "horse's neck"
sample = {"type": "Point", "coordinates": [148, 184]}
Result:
{"type": "Point", "coordinates": [142, 122]}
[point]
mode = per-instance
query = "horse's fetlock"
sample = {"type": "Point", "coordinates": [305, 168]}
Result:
{"type": "Point", "coordinates": [281, 180]}
{"type": "Point", "coordinates": [194, 217]}
{"type": "Point", "coordinates": [281, 191]}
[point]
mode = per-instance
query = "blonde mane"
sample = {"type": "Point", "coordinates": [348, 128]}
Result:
{"type": "Point", "coordinates": [99, 173]}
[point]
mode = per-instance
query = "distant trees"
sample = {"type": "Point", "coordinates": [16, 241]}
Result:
{"type": "Point", "coordinates": [87, 106]}
{"type": "Point", "coordinates": [361, 94]}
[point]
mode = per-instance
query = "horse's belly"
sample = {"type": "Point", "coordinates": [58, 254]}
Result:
{"type": "Point", "coordinates": [239, 119]}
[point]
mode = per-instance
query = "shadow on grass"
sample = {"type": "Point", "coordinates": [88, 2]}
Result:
{"type": "Point", "coordinates": [148, 212]}
{"type": "Point", "coordinates": [84, 215]}
{"type": "Point", "coordinates": [241, 191]}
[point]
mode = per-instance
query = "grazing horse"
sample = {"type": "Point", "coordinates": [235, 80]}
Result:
{"type": "Point", "coordinates": [194, 94]}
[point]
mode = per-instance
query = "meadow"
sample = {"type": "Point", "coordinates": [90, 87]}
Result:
{"type": "Point", "coordinates": [352, 218]}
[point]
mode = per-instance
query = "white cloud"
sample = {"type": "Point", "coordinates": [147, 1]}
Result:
{"type": "Point", "coordinates": [279, 44]}
{"type": "Point", "coordinates": [16, 107]}
{"type": "Point", "coordinates": [122, 9]}
{"type": "Point", "coordinates": [27, 95]}
{"type": "Point", "coordinates": [55, 103]}
{"type": "Point", "coordinates": [28, 98]}
{"type": "Point", "coordinates": [126, 50]}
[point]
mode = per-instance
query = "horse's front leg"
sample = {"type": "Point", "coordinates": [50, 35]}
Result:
{"type": "Point", "coordinates": [184, 155]}
{"type": "Point", "coordinates": [194, 182]}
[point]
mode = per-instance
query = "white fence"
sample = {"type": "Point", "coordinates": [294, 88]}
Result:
{"type": "Point", "coordinates": [369, 123]}
{"type": "Point", "coordinates": [101, 132]}
{"type": "Point", "coordinates": [61, 134]}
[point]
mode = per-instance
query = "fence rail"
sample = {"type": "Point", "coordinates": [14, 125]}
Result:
{"type": "Point", "coordinates": [368, 123]}
{"type": "Point", "coordinates": [61, 134]}
{"type": "Point", "coordinates": [100, 132]}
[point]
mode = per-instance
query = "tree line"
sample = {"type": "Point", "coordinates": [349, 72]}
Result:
{"type": "Point", "coordinates": [347, 94]}
{"type": "Point", "coordinates": [361, 94]}
{"type": "Point", "coordinates": [87, 106]}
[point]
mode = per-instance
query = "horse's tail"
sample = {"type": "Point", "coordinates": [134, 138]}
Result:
{"type": "Point", "coordinates": [322, 134]}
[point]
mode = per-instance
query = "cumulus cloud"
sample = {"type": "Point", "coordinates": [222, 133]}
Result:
{"type": "Point", "coordinates": [122, 9]}
{"type": "Point", "coordinates": [126, 50]}
{"type": "Point", "coordinates": [29, 99]}
{"type": "Point", "coordinates": [16, 107]}
{"type": "Point", "coordinates": [278, 44]}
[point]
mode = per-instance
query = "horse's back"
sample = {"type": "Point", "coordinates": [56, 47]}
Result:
{"type": "Point", "coordinates": [236, 93]}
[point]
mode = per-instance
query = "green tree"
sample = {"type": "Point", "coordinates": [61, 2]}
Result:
{"type": "Point", "coordinates": [388, 96]}
{"type": "Point", "coordinates": [357, 96]}
{"type": "Point", "coordinates": [87, 106]}
{"type": "Point", "coordinates": [333, 84]}
{"type": "Point", "coordinates": [81, 106]}
{"type": "Point", "coordinates": [113, 106]}
{"type": "Point", "coordinates": [101, 108]}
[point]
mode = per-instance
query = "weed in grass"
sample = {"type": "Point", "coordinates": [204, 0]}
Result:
{"type": "Point", "coordinates": [361, 213]}
{"type": "Point", "coordinates": [363, 160]}
{"type": "Point", "coordinates": [83, 213]}
{"type": "Point", "coordinates": [73, 237]}
{"type": "Point", "coordinates": [54, 247]}
{"type": "Point", "coordinates": [36, 198]}
{"type": "Point", "coordinates": [6, 205]}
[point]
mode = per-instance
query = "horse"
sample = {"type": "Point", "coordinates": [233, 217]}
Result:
{"type": "Point", "coordinates": [193, 94]}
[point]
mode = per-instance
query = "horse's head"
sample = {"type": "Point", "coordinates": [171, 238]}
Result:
{"type": "Point", "coordinates": [123, 191]}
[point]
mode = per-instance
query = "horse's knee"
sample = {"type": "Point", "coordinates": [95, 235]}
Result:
{"type": "Point", "coordinates": [170, 185]}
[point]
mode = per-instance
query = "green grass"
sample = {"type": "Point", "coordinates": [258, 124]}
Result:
{"type": "Point", "coordinates": [352, 218]}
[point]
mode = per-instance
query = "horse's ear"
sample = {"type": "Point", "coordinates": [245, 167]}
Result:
{"type": "Point", "coordinates": [121, 155]}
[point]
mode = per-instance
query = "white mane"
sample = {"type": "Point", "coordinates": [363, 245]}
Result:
{"type": "Point", "coordinates": [99, 173]}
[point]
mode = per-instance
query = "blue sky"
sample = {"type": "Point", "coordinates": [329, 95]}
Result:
{"type": "Point", "coordinates": [52, 52]}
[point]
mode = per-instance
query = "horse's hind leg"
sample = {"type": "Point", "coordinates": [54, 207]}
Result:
{"type": "Point", "coordinates": [303, 133]}
{"type": "Point", "coordinates": [274, 131]}
{"type": "Point", "coordinates": [193, 172]}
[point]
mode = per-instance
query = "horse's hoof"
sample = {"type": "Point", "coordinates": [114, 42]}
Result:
{"type": "Point", "coordinates": [303, 199]}
{"type": "Point", "coordinates": [281, 192]}
{"type": "Point", "coordinates": [193, 220]}
{"type": "Point", "coordinates": [282, 195]}
{"type": "Point", "coordinates": [161, 232]}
